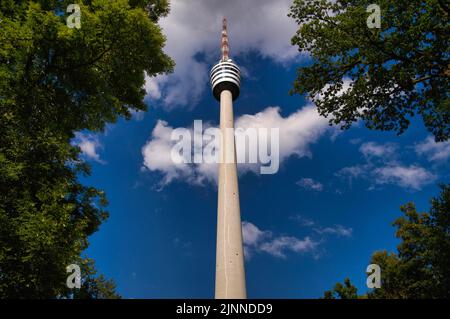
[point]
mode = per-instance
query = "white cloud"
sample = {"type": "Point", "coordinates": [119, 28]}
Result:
{"type": "Point", "coordinates": [256, 240]}
{"type": "Point", "coordinates": [383, 151]}
{"type": "Point", "coordinates": [157, 156]}
{"type": "Point", "coordinates": [381, 168]}
{"type": "Point", "coordinates": [296, 131]}
{"type": "Point", "coordinates": [355, 141]}
{"type": "Point", "coordinates": [435, 152]}
{"type": "Point", "coordinates": [89, 145]}
{"type": "Point", "coordinates": [193, 28]}
{"type": "Point", "coordinates": [280, 245]}
{"type": "Point", "coordinates": [354, 171]}
{"type": "Point", "coordinates": [137, 115]}
{"type": "Point", "coordinates": [303, 221]}
{"type": "Point", "coordinates": [152, 88]}
{"type": "Point", "coordinates": [252, 235]}
{"type": "Point", "coordinates": [347, 84]}
{"type": "Point", "coordinates": [337, 230]}
{"type": "Point", "coordinates": [310, 184]}
{"type": "Point", "coordinates": [412, 177]}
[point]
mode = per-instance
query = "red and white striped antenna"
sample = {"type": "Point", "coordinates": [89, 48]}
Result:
{"type": "Point", "coordinates": [225, 47]}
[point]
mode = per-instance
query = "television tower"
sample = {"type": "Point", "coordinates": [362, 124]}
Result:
{"type": "Point", "coordinates": [230, 273]}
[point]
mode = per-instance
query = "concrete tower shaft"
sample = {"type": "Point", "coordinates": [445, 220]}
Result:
{"type": "Point", "coordinates": [230, 271]}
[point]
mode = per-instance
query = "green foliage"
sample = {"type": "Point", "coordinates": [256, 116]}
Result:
{"type": "Point", "coordinates": [93, 287]}
{"type": "Point", "coordinates": [421, 267]}
{"type": "Point", "coordinates": [55, 81]}
{"type": "Point", "coordinates": [392, 73]}
{"type": "Point", "coordinates": [342, 291]}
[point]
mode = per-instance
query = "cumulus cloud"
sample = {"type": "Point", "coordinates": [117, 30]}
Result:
{"type": "Point", "coordinates": [257, 240]}
{"type": "Point", "coordinates": [253, 235]}
{"type": "Point", "coordinates": [310, 184]}
{"type": "Point", "coordinates": [254, 25]}
{"type": "Point", "coordinates": [434, 152]}
{"type": "Point", "coordinates": [89, 145]}
{"type": "Point", "coordinates": [157, 154]}
{"type": "Point", "coordinates": [296, 133]}
{"type": "Point", "coordinates": [152, 88]}
{"type": "Point", "coordinates": [412, 177]}
{"type": "Point", "coordinates": [382, 168]}
{"type": "Point", "coordinates": [347, 84]}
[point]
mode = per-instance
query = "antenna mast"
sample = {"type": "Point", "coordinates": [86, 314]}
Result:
{"type": "Point", "coordinates": [225, 47]}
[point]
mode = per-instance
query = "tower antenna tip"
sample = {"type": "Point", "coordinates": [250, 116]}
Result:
{"type": "Point", "coordinates": [225, 47]}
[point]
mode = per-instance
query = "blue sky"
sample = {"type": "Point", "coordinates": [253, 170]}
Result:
{"type": "Point", "coordinates": [315, 222]}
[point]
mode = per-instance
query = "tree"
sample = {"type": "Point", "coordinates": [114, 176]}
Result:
{"type": "Point", "coordinates": [342, 291]}
{"type": "Point", "coordinates": [383, 76]}
{"type": "Point", "coordinates": [55, 81]}
{"type": "Point", "coordinates": [421, 266]}
{"type": "Point", "coordinates": [93, 287]}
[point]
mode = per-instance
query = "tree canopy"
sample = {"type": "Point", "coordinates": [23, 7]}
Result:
{"type": "Point", "coordinates": [55, 81]}
{"type": "Point", "coordinates": [342, 291]}
{"type": "Point", "coordinates": [383, 76]}
{"type": "Point", "coordinates": [421, 265]}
